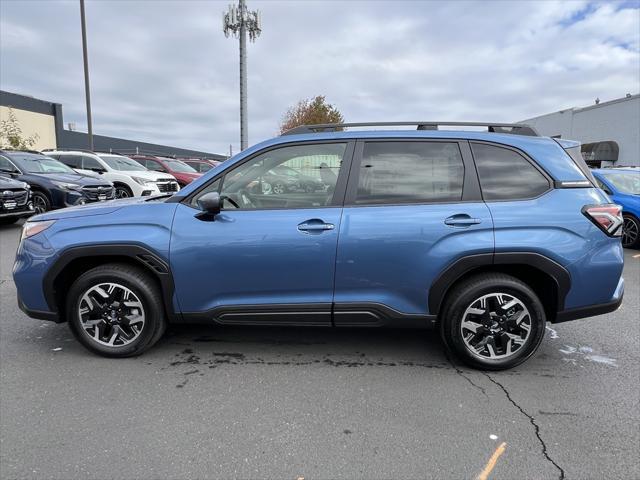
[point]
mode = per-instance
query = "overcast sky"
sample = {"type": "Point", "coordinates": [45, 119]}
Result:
{"type": "Point", "coordinates": [163, 71]}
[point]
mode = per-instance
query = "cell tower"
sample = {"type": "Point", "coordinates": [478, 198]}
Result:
{"type": "Point", "coordinates": [238, 21]}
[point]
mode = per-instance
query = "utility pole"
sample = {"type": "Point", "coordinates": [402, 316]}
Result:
{"type": "Point", "coordinates": [239, 21]}
{"type": "Point", "coordinates": [86, 73]}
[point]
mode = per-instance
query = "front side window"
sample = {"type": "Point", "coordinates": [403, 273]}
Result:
{"type": "Point", "coordinates": [90, 163]}
{"type": "Point", "coordinates": [507, 175]}
{"type": "Point", "coordinates": [178, 166]}
{"type": "Point", "coordinates": [73, 161]}
{"type": "Point", "coordinates": [625, 182]}
{"type": "Point", "coordinates": [6, 165]}
{"type": "Point", "coordinates": [155, 166]}
{"type": "Point", "coordinates": [301, 176]}
{"type": "Point", "coordinates": [410, 172]}
{"type": "Point", "coordinates": [123, 164]}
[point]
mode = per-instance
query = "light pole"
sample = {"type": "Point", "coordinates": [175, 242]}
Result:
{"type": "Point", "coordinates": [86, 74]}
{"type": "Point", "coordinates": [238, 21]}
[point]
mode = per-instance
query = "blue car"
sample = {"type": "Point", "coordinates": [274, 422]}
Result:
{"type": "Point", "coordinates": [484, 235]}
{"type": "Point", "coordinates": [623, 187]}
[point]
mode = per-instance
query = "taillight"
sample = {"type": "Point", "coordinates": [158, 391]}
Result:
{"type": "Point", "coordinates": [608, 217]}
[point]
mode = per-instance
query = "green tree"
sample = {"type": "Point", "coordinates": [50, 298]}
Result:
{"type": "Point", "coordinates": [11, 134]}
{"type": "Point", "coordinates": [310, 111]}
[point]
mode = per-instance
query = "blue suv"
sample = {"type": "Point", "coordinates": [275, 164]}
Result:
{"type": "Point", "coordinates": [622, 184]}
{"type": "Point", "coordinates": [484, 235]}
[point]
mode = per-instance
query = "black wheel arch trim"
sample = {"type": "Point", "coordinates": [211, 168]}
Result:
{"type": "Point", "coordinates": [466, 264]}
{"type": "Point", "coordinates": [149, 260]}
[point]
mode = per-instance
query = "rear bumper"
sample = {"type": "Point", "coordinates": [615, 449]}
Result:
{"type": "Point", "coordinates": [593, 310]}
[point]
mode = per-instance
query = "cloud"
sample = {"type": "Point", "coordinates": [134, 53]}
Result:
{"type": "Point", "coordinates": [162, 71]}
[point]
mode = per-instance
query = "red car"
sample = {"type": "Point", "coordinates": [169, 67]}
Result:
{"type": "Point", "coordinates": [184, 173]}
{"type": "Point", "coordinates": [201, 165]}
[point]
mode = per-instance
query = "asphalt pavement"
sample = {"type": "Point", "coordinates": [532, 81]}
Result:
{"type": "Point", "coordinates": [212, 402]}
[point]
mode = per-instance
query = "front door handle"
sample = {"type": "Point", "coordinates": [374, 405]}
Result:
{"type": "Point", "coordinates": [315, 225]}
{"type": "Point", "coordinates": [461, 220]}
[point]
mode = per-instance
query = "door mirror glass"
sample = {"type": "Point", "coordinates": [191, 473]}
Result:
{"type": "Point", "coordinates": [210, 204]}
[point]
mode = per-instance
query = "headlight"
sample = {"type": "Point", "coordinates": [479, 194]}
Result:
{"type": "Point", "coordinates": [33, 228]}
{"type": "Point", "coordinates": [67, 186]}
{"type": "Point", "coordinates": [143, 181]}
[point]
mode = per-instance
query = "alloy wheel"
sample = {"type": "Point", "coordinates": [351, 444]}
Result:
{"type": "Point", "coordinates": [278, 188]}
{"type": "Point", "coordinates": [496, 326]}
{"type": "Point", "coordinates": [629, 232]}
{"type": "Point", "coordinates": [111, 314]}
{"type": "Point", "coordinates": [122, 193]}
{"type": "Point", "coordinates": [39, 204]}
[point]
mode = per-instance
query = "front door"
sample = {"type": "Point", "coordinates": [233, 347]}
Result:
{"type": "Point", "coordinates": [269, 256]}
{"type": "Point", "coordinates": [412, 208]}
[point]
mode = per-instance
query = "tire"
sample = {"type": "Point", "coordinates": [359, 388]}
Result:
{"type": "Point", "coordinates": [516, 331]}
{"type": "Point", "coordinates": [122, 191]}
{"type": "Point", "coordinates": [41, 202]}
{"type": "Point", "coordinates": [278, 188]}
{"type": "Point", "coordinates": [142, 303]}
{"type": "Point", "coordinates": [631, 232]}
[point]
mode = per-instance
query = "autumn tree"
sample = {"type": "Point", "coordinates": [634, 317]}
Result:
{"type": "Point", "coordinates": [11, 134]}
{"type": "Point", "coordinates": [310, 111]}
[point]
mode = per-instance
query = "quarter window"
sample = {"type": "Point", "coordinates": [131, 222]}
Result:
{"type": "Point", "coordinates": [410, 172]}
{"type": "Point", "coordinates": [507, 175]}
{"type": "Point", "coordinates": [300, 176]}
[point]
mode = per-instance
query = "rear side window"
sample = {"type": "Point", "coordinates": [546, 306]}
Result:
{"type": "Point", "coordinates": [507, 175]}
{"type": "Point", "coordinates": [410, 172]}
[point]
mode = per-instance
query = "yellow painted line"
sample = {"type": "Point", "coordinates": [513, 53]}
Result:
{"type": "Point", "coordinates": [492, 462]}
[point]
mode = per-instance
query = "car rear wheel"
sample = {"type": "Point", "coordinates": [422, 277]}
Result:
{"type": "Point", "coordinates": [41, 202]}
{"type": "Point", "coordinates": [493, 321]}
{"type": "Point", "coordinates": [631, 232]}
{"type": "Point", "coordinates": [116, 310]}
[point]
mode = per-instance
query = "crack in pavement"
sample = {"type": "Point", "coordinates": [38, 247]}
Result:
{"type": "Point", "coordinates": [532, 421]}
{"type": "Point", "coordinates": [462, 374]}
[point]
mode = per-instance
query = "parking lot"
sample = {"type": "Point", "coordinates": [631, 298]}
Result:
{"type": "Point", "coordinates": [316, 403]}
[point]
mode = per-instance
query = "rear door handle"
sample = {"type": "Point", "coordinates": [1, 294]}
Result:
{"type": "Point", "coordinates": [461, 220]}
{"type": "Point", "coordinates": [315, 225]}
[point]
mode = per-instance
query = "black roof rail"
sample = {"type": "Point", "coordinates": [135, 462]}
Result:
{"type": "Point", "coordinates": [511, 128]}
{"type": "Point", "coordinates": [24, 150]}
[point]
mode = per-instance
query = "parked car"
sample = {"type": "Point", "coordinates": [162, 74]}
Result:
{"type": "Point", "coordinates": [283, 179]}
{"type": "Point", "coordinates": [201, 166]}
{"type": "Point", "coordinates": [15, 200]}
{"type": "Point", "coordinates": [180, 170]}
{"type": "Point", "coordinates": [486, 236]}
{"type": "Point", "coordinates": [623, 187]}
{"type": "Point", "coordinates": [53, 184]}
{"type": "Point", "coordinates": [129, 178]}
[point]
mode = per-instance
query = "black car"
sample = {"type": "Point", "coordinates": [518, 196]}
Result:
{"type": "Point", "coordinates": [15, 200]}
{"type": "Point", "coordinates": [53, 184]}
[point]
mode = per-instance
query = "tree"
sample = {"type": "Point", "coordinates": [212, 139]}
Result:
{"type": "Point", "coordinates": [310, 111]}
{"type": "Point", "coordinates": [11, 134]}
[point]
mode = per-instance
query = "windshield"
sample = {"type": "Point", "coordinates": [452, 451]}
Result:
{"type": "Point", "coordinates": [122, 163]}
{"type": "Point", "coordinates": [625, 182]}
{"type": "Point", "coordinates": [40, 164]}
{"type": "Point", "coordinates": [178, 166]}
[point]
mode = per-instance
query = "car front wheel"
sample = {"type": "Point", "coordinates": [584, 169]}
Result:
{"type": "Point", "coordinates": [41, 203]}
{"type": "Point", "coordinates": [631, 232]}
{"type": "Point", "coordinates": [493, 321]}
{"type": "Point", "coordinates": [116, 310]}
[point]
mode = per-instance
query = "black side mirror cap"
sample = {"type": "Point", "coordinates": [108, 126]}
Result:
{"type": "Point", "coordinates": [211, 204]}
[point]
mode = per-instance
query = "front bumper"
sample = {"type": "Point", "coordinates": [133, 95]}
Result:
{"type": "Point", "coordinates": [593, 310]}
{"type": "Point", "coordinates": [21, 212]}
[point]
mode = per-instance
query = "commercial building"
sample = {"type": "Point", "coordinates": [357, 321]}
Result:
{"type": "Point", "coordinates": [609, 131]}
{"type": "Point", "coordinates": [44, 119]}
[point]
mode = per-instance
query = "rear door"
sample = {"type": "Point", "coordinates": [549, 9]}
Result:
{"type": "Point", "coordinates": [412, 207]}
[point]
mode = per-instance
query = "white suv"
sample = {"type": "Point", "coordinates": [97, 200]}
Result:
{"type": "Point", "coordinates": [129, 178]}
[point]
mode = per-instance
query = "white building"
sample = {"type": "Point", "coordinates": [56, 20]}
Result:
{"type": "Point", "coordinates": [609, 131]}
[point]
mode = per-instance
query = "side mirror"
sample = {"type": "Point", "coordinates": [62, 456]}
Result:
{"type": "Point", "coordinates": [211, 204]}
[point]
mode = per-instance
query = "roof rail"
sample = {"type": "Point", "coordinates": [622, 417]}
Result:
{"type": "Point", "coordinates": [67, 150]}
{"type": "Point", "coordinates": [512, 128]}
{"type": "Point", "coordinates": [24, 150]}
